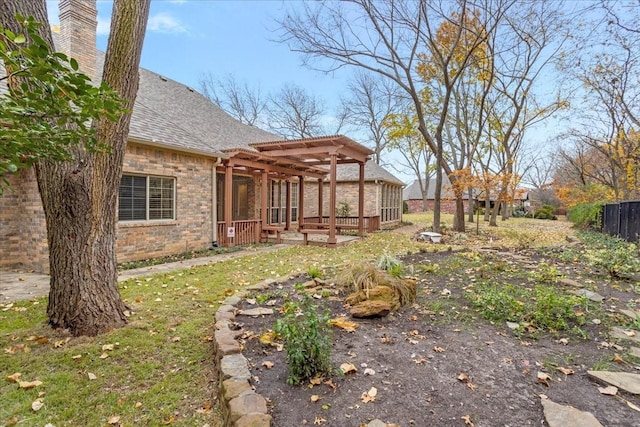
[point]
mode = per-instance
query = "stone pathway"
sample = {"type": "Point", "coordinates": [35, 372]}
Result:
{"type": "Point", "coordinates": [19, 286]}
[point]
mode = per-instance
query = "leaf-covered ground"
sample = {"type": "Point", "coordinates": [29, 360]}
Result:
{"type": "Point", "coordinates": [441, 362]}
{"type": "Point", "coordinates": [158, 369]}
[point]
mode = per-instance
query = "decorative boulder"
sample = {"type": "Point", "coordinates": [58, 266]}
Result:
{"type": "Point", "coordinates": [371, 308]}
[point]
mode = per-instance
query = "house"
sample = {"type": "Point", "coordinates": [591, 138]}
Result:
{"type": "Point", "coordinates": [412, 196]}
{"type": "Point", "coordinates": [194, 176]}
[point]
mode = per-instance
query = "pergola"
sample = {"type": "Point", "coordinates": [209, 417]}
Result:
{"type": "Point", "coordinates": [302, 158]}
{"type": "Point", "coordinates": [318, 153]}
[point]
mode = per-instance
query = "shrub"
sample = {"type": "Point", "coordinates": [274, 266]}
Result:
{"type": "Point", "coordinates": [388, 262]}
{"type": "Point", "coordinates": [307, 340]}
{"type": "Point", "coordinates": [405, 207]}
{"type": "Point", "coordinates": [546, 212]}
{"type": "Point", "coordinates": [344, 209]}
{"type": "Point", "coordinates": [613, 255]}
{"type": "Point", "coordinates": [587, 215]}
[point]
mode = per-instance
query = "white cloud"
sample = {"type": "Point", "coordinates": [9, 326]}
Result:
{"type": "Point", "coordinates": [165, 23]}
{"type": "Point", "coordinates": [104, 26]}
{"type": "Point", "coordinates": [177, 1]}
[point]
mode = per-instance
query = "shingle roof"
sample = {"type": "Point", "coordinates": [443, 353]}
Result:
{"type": "Point", "coordinates": [176, 115]}
{"type": "Point", "coordinates": [372, 172]}
{"type": "Point", "coordinates": [412, 192]}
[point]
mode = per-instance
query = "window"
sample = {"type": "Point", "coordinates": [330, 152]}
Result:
{"type": "Point", "coordinates": [294, 202]}
{"type": "Point", "coordinates": [146, 198]}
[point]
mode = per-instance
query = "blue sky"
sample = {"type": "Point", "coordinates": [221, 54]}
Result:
{"type": "Point", "coordinates": [186, 39]}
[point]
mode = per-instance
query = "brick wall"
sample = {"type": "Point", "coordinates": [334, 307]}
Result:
{"type": "Point", "coordinates": [23, 243]}
{"type": "Point", "coordinates": [23, 232]}
{"type": "Point", "coordinates": [446, 206]}
{"type": "Point", "coordinates": [346, 192]}
{"type": "Point", "coordinates": [192, 227]}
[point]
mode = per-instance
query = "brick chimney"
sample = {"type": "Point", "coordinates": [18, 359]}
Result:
{"type": "Point", "coordinates": [78, 23]}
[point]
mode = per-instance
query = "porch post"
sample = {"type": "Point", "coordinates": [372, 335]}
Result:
{"type": "Point", "coordinates": [288, 206]}
{"type": "Point", "coordinates": [228, 202]}
{"type": "Point", "coordinates": [300, 203]}
{"type": "Point", "coordinates": [320, 201]}
{"type": "Point", "coordinates": [361, 201]}
{"type": "Point", "coordinates": [331, 241]}
{"type": "Point", "coordinates": [264, 194]}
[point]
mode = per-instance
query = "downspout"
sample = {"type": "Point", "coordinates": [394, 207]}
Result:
{"type": "Point", "coordinates": [214, 203]}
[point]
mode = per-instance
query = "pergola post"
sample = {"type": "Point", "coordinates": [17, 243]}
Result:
{"type": "Point", "coordinates": [361, 201]}
{"type": "Point", "coordinates": [264, 205]}
{"type": "Point", "coordinates": [300, 203]}
{"type": "Point", "coordinates": [331, 241]}
{"type": "Point", "coordinates": [228, 203]}
{"type": "Point", "coordinates": [320, 199]}
{"type": "Point", "coordinates": [288, 206]}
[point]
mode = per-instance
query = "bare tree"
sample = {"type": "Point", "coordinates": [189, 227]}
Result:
{"type": "Point", "coordinates": [387, 38]}
{"type": "Point", "coordinates": [243, 102]}
{"type": "Point", "coordinates": [370, 101]}
{"type": "Point", "coordinates": [295, 113]}
{"type": "Point", "coordinates": [79, 196]}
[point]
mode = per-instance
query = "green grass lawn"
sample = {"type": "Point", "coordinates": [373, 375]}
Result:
{"type": "Point", "coordinates": [158, 370]}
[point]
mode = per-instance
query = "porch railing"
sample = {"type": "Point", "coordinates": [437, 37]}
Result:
{"type": "Point", "coordinates": [246, 232]}
{"type": "Point", "coordinates": [371, 223]}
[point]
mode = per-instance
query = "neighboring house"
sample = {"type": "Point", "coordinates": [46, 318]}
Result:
{"type": "Point", "coordinates": [413, 196]}
{"type": "Point", "coordinates": [194, 176]}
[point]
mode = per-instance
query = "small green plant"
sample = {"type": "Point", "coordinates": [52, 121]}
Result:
{"type": "Point", "coordinates": [611, 254]}
{"type": "Point", "coordinates": [343, 209]}
{"type": "Point", "coordinates": [545, 274]}
{"type": "Point", "coordinates": [587, 215]}
{"type": "Point", "coordinates": [315, 273]}
{"type": "Point", "coordinates": [543, 308]}
{"type": "Point", "coordinates": [390, 264]}
{"type": "Point", "coordinates": [307, 340]}
{"type": "Point", "coordinates": [545, 212]}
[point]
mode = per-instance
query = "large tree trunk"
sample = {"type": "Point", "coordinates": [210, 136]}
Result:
{"type": "Point", "coordinates": [80, 196]}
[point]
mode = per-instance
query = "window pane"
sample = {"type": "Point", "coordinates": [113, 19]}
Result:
{"type": "Point", "coordinates": [132, 198]}
{"type": "Point", "coordinates": [161, 198]}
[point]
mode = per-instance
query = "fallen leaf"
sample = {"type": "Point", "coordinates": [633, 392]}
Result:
{"type": "Point", "coordinates": [348, 368]}
{"type": "Point", "coordinates": [104, 356]}
{"type": "Point", "coordinates": [543, 378]}
{"type": "Point", "coordinates": [343, 323]}
{"type": "Point", "coordinates": [330, 384]}
{"type": "Point", "coordinates": [315, 381]}
{"type": "Point", "coordinates": [92, 376]}
{"type": "Point", "coordinates": [609, 391]}
{"type": "Point", "coordinates": [566, 371]}
{"type": "Point", "coordinates": [630, 333]}
{"type": "Point", "coordinates": [369, 396]}
{"type": "Point", "coordinates": [445, 292]}
{"type": "Point", "coordinates": [632, 406]}
{"type": "Point", "coordinates": [419, 361]}
{"type": "Point", "coordinates": [413, 318]}
{"type": "Point", "coordinates": [463, 377]}
{"type": "Point", "coordinates": [318, 421]}
{"type": "Point", "coordinates": [438, 349]}
{"type": "Point", "coordinates": [467, 420]}
{"type": "Point", "coordinates": [113, 420]}
{"type": "Point", "coordinates": [267, 364]}
{"type": "Point", "coordinates": [13, 378]}
{"type": "Point", "coordinates": [29, 384]}
{"type": "Point", "coordinates": [618, 359]}
{"type": "Point", "coordinates": [76, 357]}
{"type": "Point", "coordinates": [315, 398]}
{"type": "Point", "coordinates": [471, 386]}
{"type": "Point", "coordinates": [36, 405]}
{"type": "Point", "coordinates": [138, 405]}
{"type": "Point", "coordinates": [59, 344]}
{"type": "Point", "coordinates": [385, 340]}
{"type": "Point", "coordinates": [107, 347]}
{"type": "Point", "coordinates": [175, 339]}
{"type": "Point", "coordinates": [369, 371]}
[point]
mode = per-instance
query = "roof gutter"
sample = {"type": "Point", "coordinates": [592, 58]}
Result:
{"type": "Point", "coordinates": [157, 144]}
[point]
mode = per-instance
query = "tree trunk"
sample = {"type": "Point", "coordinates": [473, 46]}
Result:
{"type": "Point", "coordinates": [80, 196]}
{"type": "Point", "coordinates": [471, 207]}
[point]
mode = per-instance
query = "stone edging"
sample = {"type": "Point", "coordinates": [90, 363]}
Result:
{"type": "Point", "coordinates": [241, 405]}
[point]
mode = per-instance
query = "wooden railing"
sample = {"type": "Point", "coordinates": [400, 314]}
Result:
{"type": "Point", "coordinates": [371, 223]}
{"type": "Point", "coordinates": [246, 233]}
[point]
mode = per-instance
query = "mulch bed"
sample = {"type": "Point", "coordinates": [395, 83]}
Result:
{"type": "Point", "coordinates": [434, 369]}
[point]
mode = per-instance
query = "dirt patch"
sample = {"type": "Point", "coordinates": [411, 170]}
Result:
{"type": "Point", "coordinates": [438, 362]}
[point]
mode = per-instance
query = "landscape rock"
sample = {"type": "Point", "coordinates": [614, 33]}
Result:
{"type": "Point", "coordinates": [591, 296]}
{"type": "Point", "coordinates": [567, 416]}
{"type": "Point", "coordinates": [247, 404]}
{"type": "Point", "coordinates": [254, 420]}
{"type": "Point", "coordinates": [369, 308]}
{"type": "Point", "coordinates": [622, 334]}
{"type": "Point", "coordinates": [258, 311]}
{"type": "Point", "coordinates": [379, 293]}
{"type": "Point", "coordinates": [570, 282]}
{"type": "Point", "coordinates": [632, 314]}
{"type": "Point", "coordinates": [623, 380]}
